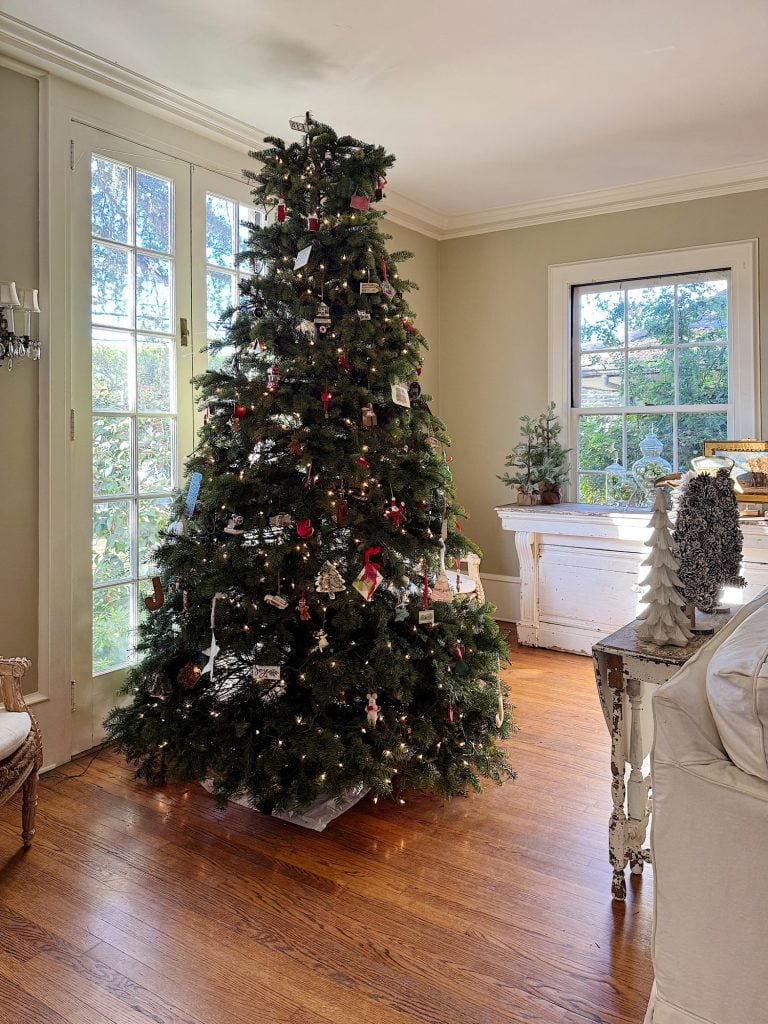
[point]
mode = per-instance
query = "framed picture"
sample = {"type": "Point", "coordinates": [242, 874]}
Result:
{"type": "Point", "coordinates": [750, 473]}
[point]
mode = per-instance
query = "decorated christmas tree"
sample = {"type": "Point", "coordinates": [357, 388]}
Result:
{"type": "Point", "coordinates": [298, 651]}
{"type": "Point", "coordinates": [708, 538]}
{"type": "Point", "coordinates": [663, 620]}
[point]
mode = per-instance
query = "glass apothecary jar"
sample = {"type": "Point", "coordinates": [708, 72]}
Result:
{"type": "Point", "coordinates": [649, 467]}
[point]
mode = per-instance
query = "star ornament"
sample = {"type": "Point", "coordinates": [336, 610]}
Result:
{"type": "Point", "coordinates": [211, 653]}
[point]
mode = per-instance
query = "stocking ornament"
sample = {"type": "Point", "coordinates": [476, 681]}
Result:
{"type": "Point", "coordinates": [281, 210]}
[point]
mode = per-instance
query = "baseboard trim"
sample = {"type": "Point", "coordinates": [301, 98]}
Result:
{"type": "Point", "coordinates": [504, 592]}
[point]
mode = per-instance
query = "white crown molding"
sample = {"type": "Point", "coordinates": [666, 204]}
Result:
{"type": "Point", "coordinates": [659, 192]}
{"type": "Point", "coordinates": [29, 44]}
{"type": "Point", "coordinates": [38, 50]}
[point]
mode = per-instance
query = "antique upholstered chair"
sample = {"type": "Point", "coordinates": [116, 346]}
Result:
{"type": "Point", "coordinates": [21, 748]}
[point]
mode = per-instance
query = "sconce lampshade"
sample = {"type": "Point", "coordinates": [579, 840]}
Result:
{"type": "Point", "coordinates": [29, 300]}
{"type": "Point", "coordinates": [8, 294]}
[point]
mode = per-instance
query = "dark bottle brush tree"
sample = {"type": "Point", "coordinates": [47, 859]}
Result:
{"type": "Point", "coordinates": [294, 655]}
{"type": "Point", "coordinates": [709, 539]}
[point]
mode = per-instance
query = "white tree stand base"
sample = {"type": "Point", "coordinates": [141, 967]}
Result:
{"type": "Point", "coordinates": [316, 816]}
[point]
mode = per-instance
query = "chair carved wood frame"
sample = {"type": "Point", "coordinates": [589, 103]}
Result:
{"type": "Point", "coordinates": [19, 770]}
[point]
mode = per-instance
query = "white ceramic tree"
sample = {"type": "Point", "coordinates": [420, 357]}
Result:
{"type": "Point", "coordinates": [664, 621]}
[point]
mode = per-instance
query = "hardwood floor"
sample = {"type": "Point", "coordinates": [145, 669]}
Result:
{"type": "Point", "coordinates": [139, 905]}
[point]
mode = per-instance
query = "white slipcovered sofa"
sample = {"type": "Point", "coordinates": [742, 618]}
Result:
{"type": "Point", "coordinates": [710, 831]}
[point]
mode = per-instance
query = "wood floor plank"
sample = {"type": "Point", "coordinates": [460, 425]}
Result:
{"type": "Point", "coordinates": [152, 904]}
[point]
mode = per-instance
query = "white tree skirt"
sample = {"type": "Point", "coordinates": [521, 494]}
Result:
{"type": "Point", "coordinates": [316, 816]}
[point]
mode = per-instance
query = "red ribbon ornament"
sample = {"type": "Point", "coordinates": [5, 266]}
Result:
{"type": "Point", "coordinates": [325, 398]}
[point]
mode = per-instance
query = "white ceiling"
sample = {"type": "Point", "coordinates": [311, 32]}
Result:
{"type": "Point", "coordinates": [486, 104]}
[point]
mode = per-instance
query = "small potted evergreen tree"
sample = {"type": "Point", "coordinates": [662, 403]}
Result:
{"type": "Point", "coordinates": [521, 459]}
{"type": "Point", "coordinates": [550, 458]}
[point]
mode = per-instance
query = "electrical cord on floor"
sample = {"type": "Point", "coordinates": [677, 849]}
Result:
{"type": "Point", "coordinates": [59, 777]}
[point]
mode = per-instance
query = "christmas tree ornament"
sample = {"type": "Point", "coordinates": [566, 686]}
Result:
{"type": "Point", "coordinates": [266, 673]}
{"type": "Point", "coordinates": [369, 579]}
{"type": "Point", "coordinates": [302, 257]}
{"type": "Point", "coordinates": [401, 609]}
{"type": "Point", "coordinates": [322, 318]}
{"type": "Point", "coordinates": [329, 581]}
{"type": "Point", "coordinates": [426, 614]}
{"type": "Point", "coordinates": [369, 287]}
{"type": "Point", "coordinates": [273, 378]}
{"type": "Point", "coordinates": [499, 719]}
{"type": "Point", "coordinates": [161, 686]}
{"type": "Point", "coordinates": [322, 639]}
{"type": "Point", "coordinates": [156, 601]}
{"type": "Point", "coordinates": [295, 445]}
{"type": "Point", "coordinates": [304, 528]}
{"type": "Point", "coordinates": [276, 601]}
{"type": "Point", "coordinates": [325, 398]}
{"type": "Point", "coordinates": [328, 162]}
{"type": "Point", "coordinates": [189, 675]}
{"type": "Point", "coordinates": [387, 290]}
{"type": "Point", "coordinates": [212, 651]}
{"type": "Point", "coordinates": [361, 203]}
{"type": "Point", "coordinates": [360, 460]}
{"type": "Point", "coordinates": [458, 651]}
{"type": "Point", "coordinates": [450, 712]}
{"type": "Point", "coordinates": [663, 621]}
{"type": "Point", "coordinates": [381, 184]}
{"type": "Point", "coordinates": [418, 370]}
{"type": "Point", "coordinates": [372, 710]}
{"type": "Point", "coordinates": [313, 221]}
{"type": "Point", "coordinates": [303, 608]}
{"type": "Point", "coordinates": [414, 391]}
{"type": "Point", "coordinates": [400, 395]}
{"type": "Point", "coordinates": [369, 417]}
{"type": "Point", "coordinates": [281, 210]}
{"type": "Point", "coordinates": [344, 362]}
{"type": "Point", "coordinates": [234, 525]}
{"type": "Point", "coordinates": [239, 412]}
{"type": "Point", "coordinates": [363, 314]}
{"type": "Point", "coordinates": [342, 507]}
{"type": "Point", "coordinates": [193, 493]}
{"type": "Point", "coordinates": [395, 512]}
{"type": "Point", "coordinates": [280, 521]}
{"type": "Point", "coordinates": [308, 478]}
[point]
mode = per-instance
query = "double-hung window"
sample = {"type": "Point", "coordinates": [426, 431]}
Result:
{"type": "Point", "coordinates": [660, 345]}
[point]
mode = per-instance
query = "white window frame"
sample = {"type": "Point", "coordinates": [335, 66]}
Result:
{"type": "Point", "coordinates": [740, 258]}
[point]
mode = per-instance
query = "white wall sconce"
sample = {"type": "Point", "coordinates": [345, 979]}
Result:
{"type": "Point", "coordinates": [12, 345]}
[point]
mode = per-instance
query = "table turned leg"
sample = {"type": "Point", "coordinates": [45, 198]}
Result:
{"type": "Point", "coordinates": [638, 800]}
{"type": "Point", "coordinates": [617, 824]}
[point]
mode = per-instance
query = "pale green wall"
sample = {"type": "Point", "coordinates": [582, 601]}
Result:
{"type": "Point", "coordinates": [493, 329]}
{"type": "Point", "coordinates": [18, 389]}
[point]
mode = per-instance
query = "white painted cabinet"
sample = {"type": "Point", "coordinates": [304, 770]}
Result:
{"type": "Point", "coordinates": [579, 569]}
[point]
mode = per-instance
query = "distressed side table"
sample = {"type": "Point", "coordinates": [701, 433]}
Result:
{"type": "Point", "coordinates": [623, 667]}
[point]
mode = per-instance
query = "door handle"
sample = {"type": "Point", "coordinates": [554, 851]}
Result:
{"type": "Point", "coordinates": [184, 331]}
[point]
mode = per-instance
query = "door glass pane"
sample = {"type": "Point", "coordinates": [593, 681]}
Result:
{"type": "Point", "coordinates": [220, 218]}
{"type": "Point", "coordinates": [154, 442]}
{"type": "Point", "coordinates": [221, 295]}
{"type": "Point", "coordinates": [133, 373]}
{"type": "Point", "coordinates": [111, 370]}
{"type": "Point", "coordinates": [153, 212]}
{"type": "Point", "coordinates": [112, 546]}
{"type": "Point", "coordinates": [153, 293]}
{"type": "Point", "coordinates": [112, 455]}
{"type": "Point", "coordinates": [111, 286]}
{"type": "Point", "coordinates": [153, 517]}
{"type": "Point", "coordinates": [110, 205]}
{"type": "Point", "coordinates": [155, 374]}
{"type": "Point", "coordinates": [113, 626]}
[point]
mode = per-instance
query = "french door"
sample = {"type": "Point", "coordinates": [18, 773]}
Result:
{"type": "Point", "coordinates": [154, 241]}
